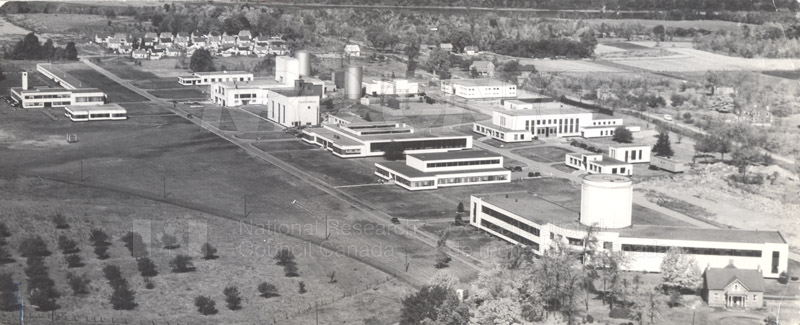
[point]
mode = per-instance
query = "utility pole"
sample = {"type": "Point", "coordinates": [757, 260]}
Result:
{"type": "Point", "coordinates": [316, 313]}
{"type": "Point", "coordinates": [245, 206]}
{"type": "Point", "coordinates": [164, 186]}
{"type": "Point", "coordinates": [21, 303]}
{"type": "Point", "coordinates": [81, 179]}
{"type": "Point", "coordinates": [327, 234]}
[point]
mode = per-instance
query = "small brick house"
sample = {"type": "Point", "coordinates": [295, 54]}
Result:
{"type": "Point", "coordinates": [733, 288]}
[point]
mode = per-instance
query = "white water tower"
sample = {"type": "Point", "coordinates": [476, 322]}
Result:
{"type": "Point", "coordinates": [606, 201]}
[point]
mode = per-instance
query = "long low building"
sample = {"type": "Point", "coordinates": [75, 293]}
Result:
{"type": "Point", "coordinates": [372, 139]}
{"type": "Point", "coordinates": [606, 205]}
{"type": "Point", "coordinates": [390, 87]}
{"type": "Point", "coordinates": [43, 97]}
{"type": "Point", "coordinates": [478, 88]}
{"type": "Point", "coordinates": [208, 78]}
{"type": "Point", "coordinates": [546, 119]}
{"type": "Point", "coordinates": [598, 164]}
{"type": "Point", "coordinates": [286, 105]}
{"type": "Point", "coordinates": [433, 170]}
{"type": "Point", "coordinates": [96, 113]}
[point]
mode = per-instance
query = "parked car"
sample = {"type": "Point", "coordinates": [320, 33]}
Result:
{"type": "Point", "coordinates": [395, 221]}
{"type": "Point", "coordinates": [668, 117]}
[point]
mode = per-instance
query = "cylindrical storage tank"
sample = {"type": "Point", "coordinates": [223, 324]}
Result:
{"type": "Point", "coordinates": [606, 201]}
{"type": "Point", "coordinates": [304, 59]}
{"type": "Point", "coordinates": [352, 82]}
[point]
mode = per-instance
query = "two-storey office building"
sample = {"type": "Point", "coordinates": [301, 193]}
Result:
{"type": "Point", "coordinates": [523, 218]}
{"type": "Point", "coordinates": [433, 170]}
{"type": "Point", "coordinates": [478, 88]}
{"type": "Point", "coordinates": [43, 97]}
{"type": "Point", "coordinates": [633, 153]}
{"type": "Point", "coordinates": [208, 78]}
{"type": "Point", "coordinates": [287, 105]}
{"type": "Point", "coordinates": [372, 139]}
{"type": "Point", "coordinates": [598, 164]}
{"type": "Point", "coordinates": [96, 113]}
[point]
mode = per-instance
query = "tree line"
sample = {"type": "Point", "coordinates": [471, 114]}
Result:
{"type": "Point", "coordinates": [30, 48]}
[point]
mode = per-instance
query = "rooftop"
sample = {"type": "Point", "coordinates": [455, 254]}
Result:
{"type": "Point", "coordinates": [607, 178]}
{"type": "Point", "coordinates": [408, 171]}
{"type": "Point", "coordinates": [480, 82]}
{"type": "Point", "coordinates": [702, 234]}
{"type": "Point", "coordinates": [601, 126]}
{"type": "Point", "coordinates": [216, 73]}
{"type": "Point", "coordinates": [719, 278]}
{"type": "Point", "coordinates": [55, 90]}
{"type": "Point", "coordinates": [463, 154]}
{"type": "Point", "coordinates": [444, 133]}
{"type": "Point", "coordinates": [545, 108]}
{"type": "Point", "coordinates": [97, 108]}
{"type": "Point", "coordinates": [608, 161]}
{"type": "Point", "coordinates": [628, 145]}
{"type": "Point", "coordinates": [532, 207]}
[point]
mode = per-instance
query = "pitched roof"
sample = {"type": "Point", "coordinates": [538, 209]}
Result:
{"type": "Point", "coordinates": [471, 48]}
{"type": "Point", "coordinates": [351, 47]}
{"type": "Point", "coordinates": [719, 278]}
{"type": "Point", "coordinates": [482, 65]}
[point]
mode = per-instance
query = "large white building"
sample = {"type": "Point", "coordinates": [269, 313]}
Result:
{"type": "Point", "coordinates": [633, 153]}
{"type": "Point", "coordinates": [71, 95]}
{"type": "Point", "coordinates": [390, 87]}
{"type": "Point", "coordinates": [368, 139]}
{"type": "Point", "coordinates": [287, 69]}
{"type": "Point", "coordinates": [288, 106]}
{"type": "Point", "coordinates": [524, 121]}
{"type": "Point", "coordinates": [525, 219]}
{"type": "Point", "coordinates": [433, 170]}
{"type": "Point", "coordinates": [478, 88]}
{"type": "Point", "coordinates": [96, 113]}
{"type": "Point", "coordinates": [207, 78]}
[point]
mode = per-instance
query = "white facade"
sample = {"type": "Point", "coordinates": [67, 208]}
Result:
{"type": "Point", "coordinates": [292, 110]}
{"type": "Point", "coordinates": [524, 219]}
{"type": "Point", "coordinates": [208, 78]}
{"type": "Point", "coordinates": [597, 191]}
{"type": "Point", "coordinates": [287, 69]}
{"type": "Point", "coordinates": [352, 50]}
{"type": "Point", "coordinates": [630, 153]}
{"type": "Point", "coordinates": [390, 87]}
{"type": "Point", "coordinates": [458, 168]}
{"type": "Point", "coordinates": [58, 97]}
{"type": "Point", "coordinates": [598, 164]}
{"type": "Point", "coordinates": [370, 139]}
{"type": "Point", "coordinates": [95, 113]}
{"type": "Point", "coordinates": [478, 88]}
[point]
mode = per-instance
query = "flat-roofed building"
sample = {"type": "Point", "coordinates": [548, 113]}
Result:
{"type": "Point", "coordinates": [478, 88]}
{"type": "Point", "coordinates": [598, 164]}
{"type": "Point", "coordinates": [444, 169]}
{"type": "Point", "coordinates": [390, 87]}
{"type": "Point", "coordinates": [96, 113]}
{"type": "Point", "coordinates": [546, 119]}
{"type": "Point", "coordinates": [371, 139]}
{"type": "Point", "coordinates": [207, 78]}
{"type": "Point", "coordinates": [287, 69]}
{"type": "Point", "coordinates": [632, 153]}
{"type": "Point", "coordinates": [57, 97]}
{"type": "Point", "coordinates": [289, 106]}
{"type": "Point", "coordinates": [523, 218]}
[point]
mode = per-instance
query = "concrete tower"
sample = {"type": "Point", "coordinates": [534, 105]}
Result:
{"type": "Point", "coordinates": [606, 201]}
{"type": "Point", "coordinates": [352, 82]}
{"type": "Point", "coordinates": [304, 59]}
{"type": "Point", "coordinates": [24, 80]}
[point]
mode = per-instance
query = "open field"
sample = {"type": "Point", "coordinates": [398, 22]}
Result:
{"type": "Point", "coordinates": [157, 83]}
{"type": "Point", "coordinates": [286, 145]}
{"type": "Point", "coordinates": [146, 108]}
{"type": "Point", "coordinates": [245, 259]}
{"type": "Point", "coordinates": [125, 70]}
{"type": "Point", "coordinates": [178, 94]}
{"type": "Point", "coordinates": [545, 65]}
{"type": "Point", "coordinates": [546, 154]}
{"type": "Point", "coordinates": [688, 60]}
{"type": "Point", "coordinates": [207, 174]}
{"type": "Point", "coordinates": [786, 74]}
{"type": "Point", "coordinates": [90, 78]}
{"type": "Point", "coordinates": [711, 25]}
{"type": "Point", "coordinates": [626, 46]}
{"type": "Point", "coordinates": [75, 24]}
{"type": "Point", "coordinates": [324, 165]}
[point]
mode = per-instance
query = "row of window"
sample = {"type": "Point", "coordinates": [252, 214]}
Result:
{"type": "Point", "coordinates": [692, 250]}
{"type": "Point", "coordinates": [611, 122]}
{"type": "Point", "coordinates": [89, 99]}
{"type": "Point", "coordinates": [473, 179]}
{"type": "Point", "coordinates": [511, 235]}
{"type": "Point", "coordinates": [511, 221]}
{"type": "Point", "coordinates": [46, 96]}
{"type": "Point", "coordinates": [607, 132]}
{"type": "Point", "coordinates": [464, 163]}
{"type": "Point", "coordinates": [420, 144]}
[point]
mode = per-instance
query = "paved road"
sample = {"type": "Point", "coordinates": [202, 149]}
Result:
{"type": "Point", "coordinates": [377, 215]}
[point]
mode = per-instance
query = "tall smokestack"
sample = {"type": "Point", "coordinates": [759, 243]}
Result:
{"type": "Point", "coordinates": [304, 59]}
{"type": "Point", "coordinates": [352, 82]}
{"type": "Point", "coordinates": [24, 80]}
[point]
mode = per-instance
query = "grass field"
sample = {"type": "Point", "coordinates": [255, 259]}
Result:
{"type": "Point", "coordinates": [288, 145]}
{"type": "Point", "coordinates": [547, 154]}
{"type": "Point", "coordinates": [626, 46]}
{"type": "Point", "coordinates": [326, 166]}
{"type": "Point", "coordinates": [209, 175]}
{"type": "Point", "coordinates": [178, 94]}
{"type": "Point", "coordinates": [786, 74]}
{"type": "Point", "coordinates": [126, 71]}
{"type": "Point", "coordinates": [136, 109]}
{"type": "Point", "coordinates": [688, 60]}
{"type": "Point", "coordinates": [157, 83]}
{"type": "Point", "coordinates": [90, 78]}
{"type": "Point", "coordinates": [75, 24]}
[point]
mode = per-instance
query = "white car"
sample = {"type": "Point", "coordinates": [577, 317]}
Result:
{"type": "Point", "coordinates": [668, 117]}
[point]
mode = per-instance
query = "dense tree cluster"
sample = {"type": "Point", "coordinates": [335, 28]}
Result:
{"type": "Point", "coordinates": [767, 41]}
{"type": "Point", "coordinates": [545, 48]}
{"type": "Point", "coordinates": [29, 48]}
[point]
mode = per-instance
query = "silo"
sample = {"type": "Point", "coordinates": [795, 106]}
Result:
{"type": "Point", "coordinates": [352, 82]}
{"type": "Point", "coordinates": [304, 59]}
{"type": "Point", "coordinates": [606, 201]}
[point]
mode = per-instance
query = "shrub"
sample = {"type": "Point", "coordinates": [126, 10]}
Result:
{"type": "Point", "coordinates": [530, 174]}
{"type": "Point", "coordinates": [459, 220]}
{"type": "Point", "coordinates": [301, 287]}
{"type": "Point", "coordinates": [73, 260]}
{"type": "Point", "coordinates": [98, 237]}
{"type": "Point", "coordinates": [60, 221]}
{"type": "Point", "coordinates": [78, 283]}
{"type": "Point", "coordinates": [232, 298]}
{"type": "Point", "coordinates": [101, 252]}
{"type": "Point", "coordinates": [208, 251]}
{"type": "Point", "coordinates": [4, 232]}
{"type": "Point", "coordinates": [619, 312]}
{"type": "Point", "coordinates": [5, 256]}
{"type": "Point", "coordinates": [33, 246]}
{"type": "Point", "coordinates": [135, 244]}
{"type": "Point", "coordinates": [67, 245]}
{"type": "Point", "coordinates": [460, 207]}
{"type": "Point", "coordinates": [8, 292]}
{"type": "Point", "coordinates": [267, 290]}
{"type": "Point", "coordinates": [169, 241]}
{"type": "Point", "coordinates": [44, 298]}
{"type": "Point", "coordinates": [284, 256]}
{"type": "Point", "coordinates": [123, 298]}
{"type": "Point", "coordinates": [589, 319]}
{"type": "Point", "coordinates": [181, 263]}
{"type": "Point", "coordinates": [290, 270]}
{"type": "Point", "coordinates": [114, 276]}
{"type": "Point", "coordinates": [783, 278]}
{"type": "Point", "coordinates": [205, 305]}
{"type": "Point", "coordinates": [442, 260]}
{"type": "Point", "coordinates": [146, 267]}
